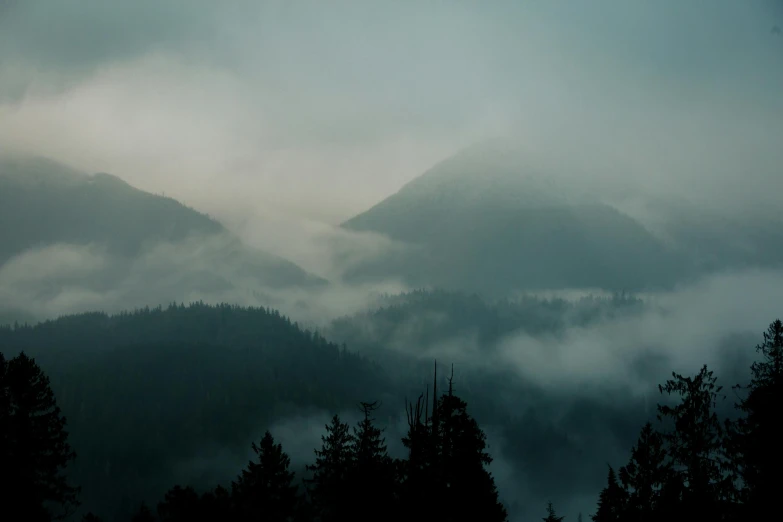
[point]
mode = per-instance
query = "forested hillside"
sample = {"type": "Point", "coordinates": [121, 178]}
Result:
{"type": "Point", "coordinates": [693, 463]}
{"type": "Point", "coordinates": [147, 390]}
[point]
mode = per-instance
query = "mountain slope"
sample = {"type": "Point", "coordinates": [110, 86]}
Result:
{"type": "Point", "coordinates": [150, 394]}
{"type": "Point", "coordinates": [481, 221]}
{"type": "Point", "coordinates": [43, 202]}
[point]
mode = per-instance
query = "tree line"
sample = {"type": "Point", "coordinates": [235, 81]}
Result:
{"type": "Point", "coordinates": [689, 465]}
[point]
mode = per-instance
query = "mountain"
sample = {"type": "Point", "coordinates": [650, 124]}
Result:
{"type": "Point", "coordinates": [118, 237]}
{"type": "Point", "coordinates": [49, 203]}
{"type": "Point", "coordinates": [158, 396]}
{"type": "Point", "coordinates": [483, 221]}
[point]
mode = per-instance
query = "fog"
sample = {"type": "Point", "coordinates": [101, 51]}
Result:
{"type": "Point", "coordinates": [283, 119]}
{"type": "Point", "coordinates": [315, 112]}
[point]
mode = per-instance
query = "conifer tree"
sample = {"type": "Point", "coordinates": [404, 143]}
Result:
{"type": "Point", "coordinates": [463, 459]}
{"type": "Point", "coordinates": [265, 489]}
{"type": "Point", "coordinates": [551, 516]}
{"type": "Point", "coordinates": [645, 475]}
{"type": "Point", "coordinates": [612, 501]}
{"type": "Point", "coordinates": [447, 463]}
{"type": "Point", "coordinates": [755, 438]}
{"type": "Point", "coordinates": [419, 491]}
{"type": "Point", "coordinates": [329, 494]}
{"type": "Point", "coordinates": [143, 514]}
{"type": "Point", "coordinates": [34, 449]}
{"type": "Point", "coordinates": [695, 444]}
{"type": "Point", "coordinates": [180, 505]}
{"type": "Point", "coordinates": [217, 505]}
{"type": "Point", "coordinates": [373, 478]}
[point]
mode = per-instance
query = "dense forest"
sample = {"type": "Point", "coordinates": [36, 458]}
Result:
{"type": "Point", "coordinates": [692, 462]}
{"type": "Point", "coordinates": [209, 377]}
{"type": "Point", "coordinates": [183, 378]}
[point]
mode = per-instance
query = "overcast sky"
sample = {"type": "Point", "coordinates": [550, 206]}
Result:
{"type": "Point", "coordinates": [318, 109]}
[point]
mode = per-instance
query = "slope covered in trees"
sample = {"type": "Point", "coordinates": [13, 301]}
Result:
{"type": "Point", "coordinates": [690, 466]}
{"type": "Point", "coordinates": [146, 390]}
{"type": "Point", "coordinates": [423, 317]}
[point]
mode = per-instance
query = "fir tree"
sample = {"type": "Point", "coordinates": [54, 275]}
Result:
{"type": "Point", "coordinates": [143, 514]}
{"type": "Point", "coordinates": [217, 505]}
{"type": "Point", "coordinates": [611, 502]}
{"type": "Point", "coordinates": [373, 478]}
{"type": "Point", "coordinates": [551, 515]}
{"type": "Point", "coordinates": [265, 489]}
{"type": "Point", "coordinates": [463, 459]}
{"type": "Point", "coordinates": [447, 463]}
{"type": "Point", "coordinates": [180, 505]}
{"type": "Point", "coordinates": [695, 444]}
{"type": "Point", "coordinates": [755, 439]}
{"type": "Point", "coordinates": [645, 475]}
{"type": "Point", "coordinates": [327, 487]}
{"type": "Point", "coordinates": [34, 449]}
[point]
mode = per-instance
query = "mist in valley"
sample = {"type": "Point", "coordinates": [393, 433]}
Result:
{"type": "Point", "coordinates": [565, 202]}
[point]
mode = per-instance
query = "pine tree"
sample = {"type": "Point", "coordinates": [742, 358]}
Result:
{"type": "Point", "coordinates": [612, 501]}
{"type": "Point", "coordinates": [419, 491]}
{"type": "Point", "coordinates": [265, 489]}
{"type": "Point", "coordinates": [755, 438]}
{"type": "Point", "coordinates": [180, 505]}
{"type": "Point", "coordinates": [463, 460]}
{"type": "Point", "coordinates": [143, 514]}
{"type": "Point", "coordinates": [373, 478]}
{"type": "Point", "coordinates": [34, 449]}
{"type": "Point", "coordinates": [446, 469]}
{"type": "Point", "coordinates": [551, 515]}
{"type": "Point", "coordinates": [217, 505]}
{"type": "Point", "coordinates": [327, 487]}
{"type": "Point", "coordinates": [696, 443]}
{"type": "Point", "coordinates": [645, 475]}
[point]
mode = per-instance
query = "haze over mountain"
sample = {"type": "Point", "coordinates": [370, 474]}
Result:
{"type": "Point", "coordinates": [485, 221]}
{"type": "Point", "coordinates": [64, 229]}
{"type": "Point", "coordinates": [588, 191]}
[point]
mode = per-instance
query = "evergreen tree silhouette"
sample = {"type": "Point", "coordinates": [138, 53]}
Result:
{"type": "Point", "coordinates": [419, 490]}
{"type": "Point", "coordinates": [551, 515]}
{"type": "Point", "coordinates": [34, 449]}
{"type": "Point", "coordinates": [143, 514]}
{"type": "Point", "coordinates": [446, 467]}
{"type": "Point", "coordinates": [217, 505]}
{"type": "Point", "coordinates": [265, 489]}
{"type": "Point", "coordinates": [755, 438]}
{"type": "Point", "coordinates": [463, 460]}
{"type": "Point", "coordinates": [695, 445]}
{"type": "Point", "coordinates": [612, 501]}
{"type": "Point", "coordinates": [646, 475]}
{"type": "Point", "coordinates": [373, 476]}
{"type": "Point", "coordinates": [328, 486]}
{"type": "Point", "coordinates": [180, 505]}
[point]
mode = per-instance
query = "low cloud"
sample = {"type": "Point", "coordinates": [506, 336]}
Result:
{"type": "Point", "coordinates": [64, 278]}
{"type": "Point", "coordinates": [678, 331]}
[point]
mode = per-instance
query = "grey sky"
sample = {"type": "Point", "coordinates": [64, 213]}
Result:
{"type": "Point", "coordinates": [316, 110]}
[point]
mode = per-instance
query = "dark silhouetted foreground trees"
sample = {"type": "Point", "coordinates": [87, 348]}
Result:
{"type": "Point", "coordinates": [695, 467]}
{"type": "Point", "coordinates": [690, 466]}
{"type": "Point", "coordinates": [34, 449]}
